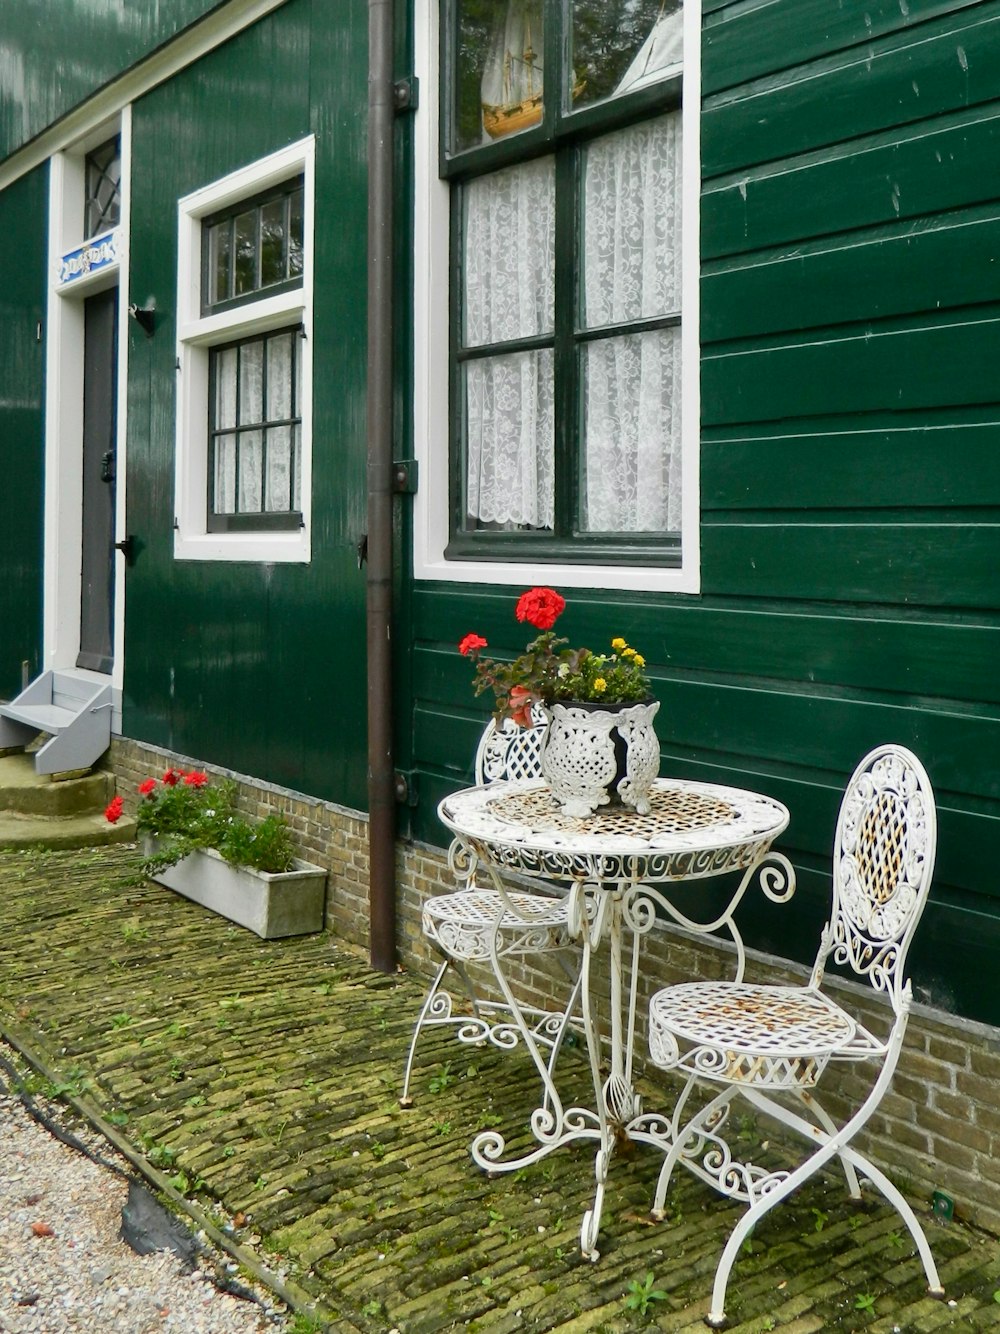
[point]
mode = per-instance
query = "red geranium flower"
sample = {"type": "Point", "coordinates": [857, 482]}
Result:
{"type": "Point", "coordinates": [147, 787]}
{"type": "Point", "coordinates": [519, 706]}
{"type": "Point", "coordinates": [471, 644]}
{"type": "Point", "coordinates": [113, 811]}
{"type": "Point", "coordinates": [540, 607]}
{"type": "Point", "coordinates": [196, 779]}
{"type": "Point", "coordinates": [171, 777]}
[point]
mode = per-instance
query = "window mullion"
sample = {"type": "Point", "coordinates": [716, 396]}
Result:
{"type": "Point", "coordinates": [565, 359]}
{"type": "Point", "coordinates": [457, 452]}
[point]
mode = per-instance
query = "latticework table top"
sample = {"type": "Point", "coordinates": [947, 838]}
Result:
{"type": "Point", "coordinates": [692, 829]}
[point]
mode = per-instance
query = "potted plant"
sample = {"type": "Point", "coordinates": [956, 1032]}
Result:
{"type": "Point", "coordinates": [600, 745]}
{"type": "Point", "coordinates": [199, 845]}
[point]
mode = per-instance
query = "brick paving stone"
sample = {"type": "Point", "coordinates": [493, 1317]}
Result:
{"type": "Point", "coordinates": [263, 1078]}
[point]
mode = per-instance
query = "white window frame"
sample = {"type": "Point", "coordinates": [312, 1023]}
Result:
{"type": "Point", "coordinates": [431, 216]}
{"type": "Point", "coordinates": [196, 333]}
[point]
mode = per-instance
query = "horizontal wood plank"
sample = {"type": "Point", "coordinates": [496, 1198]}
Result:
{"type": "Point", "coordinates": [747, 41]}
{"type": "Point", "coordinates": [929, 264]}
{"type": "Point", "coordinates": [880, 461]}
{"type": "Point", "coordinates": [918, 565]}
{"type": "Point", "coordinates": [907, 77]}
{"type": "Point", "coordinates": [901, 366]}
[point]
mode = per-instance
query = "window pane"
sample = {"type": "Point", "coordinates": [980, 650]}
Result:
{"type": "Point", "coordinates": [278, 488]}
{"type": "Point", "coordinates": [272, 242]}
{"type": "Point", "coordinates": [224, 368]}
{"type": "Point", "coordinates": [103, 185]}
{"type": "Point", "coordinates": [251, 383]}
{"type": "Point", "coordinates": [632, 401]}
{"type": "Point", "coordinates": [250, 472]}
{"type": "Point", "coordinates": [295, 234]}
{"type": "Point", "coordinates": [296, 467]}
{"type": "Point", "coordinates": [509, 435]}
{"type": "Point", "coordinates": [632, 211]}
{"type": "Point", "coordinates": [499, 77]}
{"type": "Point", "coordinates": [279, 377]}
{"type": "Point", "coordinates": [220, 262]}
{"type": "Point", "coordinates": [621, 45]}
{"type": "Point", "coordinates": [509, 253]}
{"type": "Point", "coordinates": [246, 252]}
{"type": "Point", "coordinates": [224, 482]}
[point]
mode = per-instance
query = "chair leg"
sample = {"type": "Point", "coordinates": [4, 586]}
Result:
{"type": "Point", "coordinates": [709, 1114]}
{"type": "Point", "coordinates": [435, 1009]}
{"type": "Point", "coordinates": [830, 1126]}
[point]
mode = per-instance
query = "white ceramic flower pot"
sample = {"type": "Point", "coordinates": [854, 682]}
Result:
{"type": "Point", "coordinates": [595, 754]}
{"type": "Point", "coordinates": [289, 903]}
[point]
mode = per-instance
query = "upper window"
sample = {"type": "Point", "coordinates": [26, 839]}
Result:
{"type": "Point", "coordinates": [253, 246]}
{"type": "Point", "coordinates": [243, 457]}
{"type": "Point", "coordinates": [563, 145]}
{"type": "Point", "coordinates": [103, 172]}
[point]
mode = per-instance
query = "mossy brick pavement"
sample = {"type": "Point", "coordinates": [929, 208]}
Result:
{"type": "Point", "coordinates": [262, 1078]}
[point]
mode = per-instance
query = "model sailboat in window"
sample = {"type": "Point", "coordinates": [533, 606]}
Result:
{"type": "Point", "coordinates": [512, 80]}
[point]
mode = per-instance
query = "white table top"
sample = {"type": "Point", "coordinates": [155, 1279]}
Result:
{"type": "Point", "coordinates": [693, 830]}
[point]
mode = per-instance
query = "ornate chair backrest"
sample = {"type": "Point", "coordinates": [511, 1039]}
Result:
{"type": "Point", "coordinates": [883, 861]}
{"type": "Point", "coordinates": [509, 751]}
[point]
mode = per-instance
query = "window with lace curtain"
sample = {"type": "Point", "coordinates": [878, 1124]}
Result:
{"type": "Point", "coordinates": [563, 148]}
{"type": "Point", "coordinates": [243, 457]}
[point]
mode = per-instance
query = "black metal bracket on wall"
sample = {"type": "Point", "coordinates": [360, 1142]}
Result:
{"type": "Point", "coordinates": [406, 94]}
{"type": "Point", "coordinates": [404, 477]}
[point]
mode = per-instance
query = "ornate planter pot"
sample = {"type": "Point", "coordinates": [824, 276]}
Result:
{"type": "Point", "coordinates": [600, 753]}
{"type": "Point", "coordinates": [288, 903]}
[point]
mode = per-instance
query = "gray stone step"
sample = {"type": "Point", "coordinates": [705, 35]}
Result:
{"type": "Point", "coordinates": [25, 792]}
{"type": "Point", "coordinates": [74, 831]}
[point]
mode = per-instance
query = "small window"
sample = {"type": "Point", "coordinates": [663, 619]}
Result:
{"type": "Point", "coordinates": [255, 433]}
{"type": "Point", "coordinates": [103, 184]}
{"type": "Point", "coordinates": [253, 247]}
{"type": "Point", "coordinates": [244, 386]}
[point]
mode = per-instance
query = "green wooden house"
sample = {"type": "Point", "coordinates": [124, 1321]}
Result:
{"type": "Point", "coordinates": [328, 329]}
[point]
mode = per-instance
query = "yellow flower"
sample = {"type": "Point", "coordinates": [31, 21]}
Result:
{"type": "Point", "coordinates": [639, 660]}
{"type": "Point", "coordinates": [618, 645]}
{"type": "Point", "coordinates": [600, 685]}
{"type": "Point", "coordinates": [628, 653]}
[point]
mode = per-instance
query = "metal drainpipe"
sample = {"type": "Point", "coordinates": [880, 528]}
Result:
{"type": "Point", "coordinates": [381, 786]}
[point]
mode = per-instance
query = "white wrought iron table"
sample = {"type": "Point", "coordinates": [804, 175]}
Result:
{"type": "Point", "coordinates": [619, 867]}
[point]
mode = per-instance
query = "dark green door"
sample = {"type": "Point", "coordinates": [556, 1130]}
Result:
{"type": "Point", "coordinates": [100, 359]}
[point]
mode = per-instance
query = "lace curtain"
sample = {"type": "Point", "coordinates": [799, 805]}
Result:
{"type": "Point", "coordinates": [632, 388]}
{"type": "Point", "coordinates": [509, 293]}
{"type": "Point", "coordinates": [631, 384]}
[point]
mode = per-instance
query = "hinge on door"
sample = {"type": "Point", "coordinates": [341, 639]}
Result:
{"type": "Point", "coordinates": [404, 477]}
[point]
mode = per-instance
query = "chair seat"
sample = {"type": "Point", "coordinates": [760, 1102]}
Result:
{"type": "Point", "coordinates": [744, 1034]}
{"type": "Point", "coordinates": [463, 923]}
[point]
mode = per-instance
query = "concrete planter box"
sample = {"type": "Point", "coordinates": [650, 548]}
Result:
{"type": "Point", "coordinates": [289, 903]}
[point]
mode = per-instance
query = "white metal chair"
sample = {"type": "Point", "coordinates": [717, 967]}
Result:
{"type": "Point", "coordinates": [477, 924]}
{"type": "Point", "coordinates": [771, 1044]}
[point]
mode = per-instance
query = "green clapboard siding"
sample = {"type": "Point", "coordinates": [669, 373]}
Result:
{"type": "Point", "coordinates": [22, 306]}
{"type": "Point", "coordinates": [850, 463]}
{"type": "Point", "coordinates": [56, 53]}
{"type": "Point", "coordinates": [257, 667]}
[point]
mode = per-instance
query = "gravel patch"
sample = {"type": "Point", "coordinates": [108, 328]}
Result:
{"type": "Point", "coordinates": [63, 1265]}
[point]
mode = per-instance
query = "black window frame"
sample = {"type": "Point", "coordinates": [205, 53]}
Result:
{"type": "Point", "coordinates": [253, 520]}
{"type": "Point", "coordinates": [285, 190]}
{"type": "Point", "coordinates": [563, 132]}
{"type": "Point", "coordinates": [95, 218]}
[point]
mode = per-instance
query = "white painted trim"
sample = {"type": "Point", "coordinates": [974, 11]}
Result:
{"type": "Point", "coordinates": [197, 332]}
{"type": "Point", "coordinates": [215, 29]}
{"type": "Point", "coordinates": [430, 350]}
{"type": "Point", "coordinates": [64, 347]}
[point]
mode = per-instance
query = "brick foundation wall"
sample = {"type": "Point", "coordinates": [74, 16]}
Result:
{"type": "Point", "coordinates": [937, 1129]}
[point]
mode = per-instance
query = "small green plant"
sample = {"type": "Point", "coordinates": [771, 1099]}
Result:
{"type": "Point", "coordinates": [305, 1324]}
{"type": "Point", "coordinates": [120, 1020]}
{"type": "Point", "coordinates": [442, 1127]}
{"type": "Point", "coordinates": [118, 1118]}
{"type": "Point", "coordinates": [442, 1079]}
{"type": "Point", "coordinates": [160, 1155]}
{"type": "Point", "coordinates": [378, 1150]}
{"type": "Point", "coordinates": [641, 1294]}
{"type": "Point", "coordinates": [821, 1219]}
{"type": "Point", "coordinates": [372, 1308]}
{"type": "Point", "coordinates": [260, 1183]}
{"type": "Point", "coordinates": [864, 1301]}
{"type": "Point", "coordinates": [134, 930]}
{"type": "Point", "coordinates": [896, 1240]}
